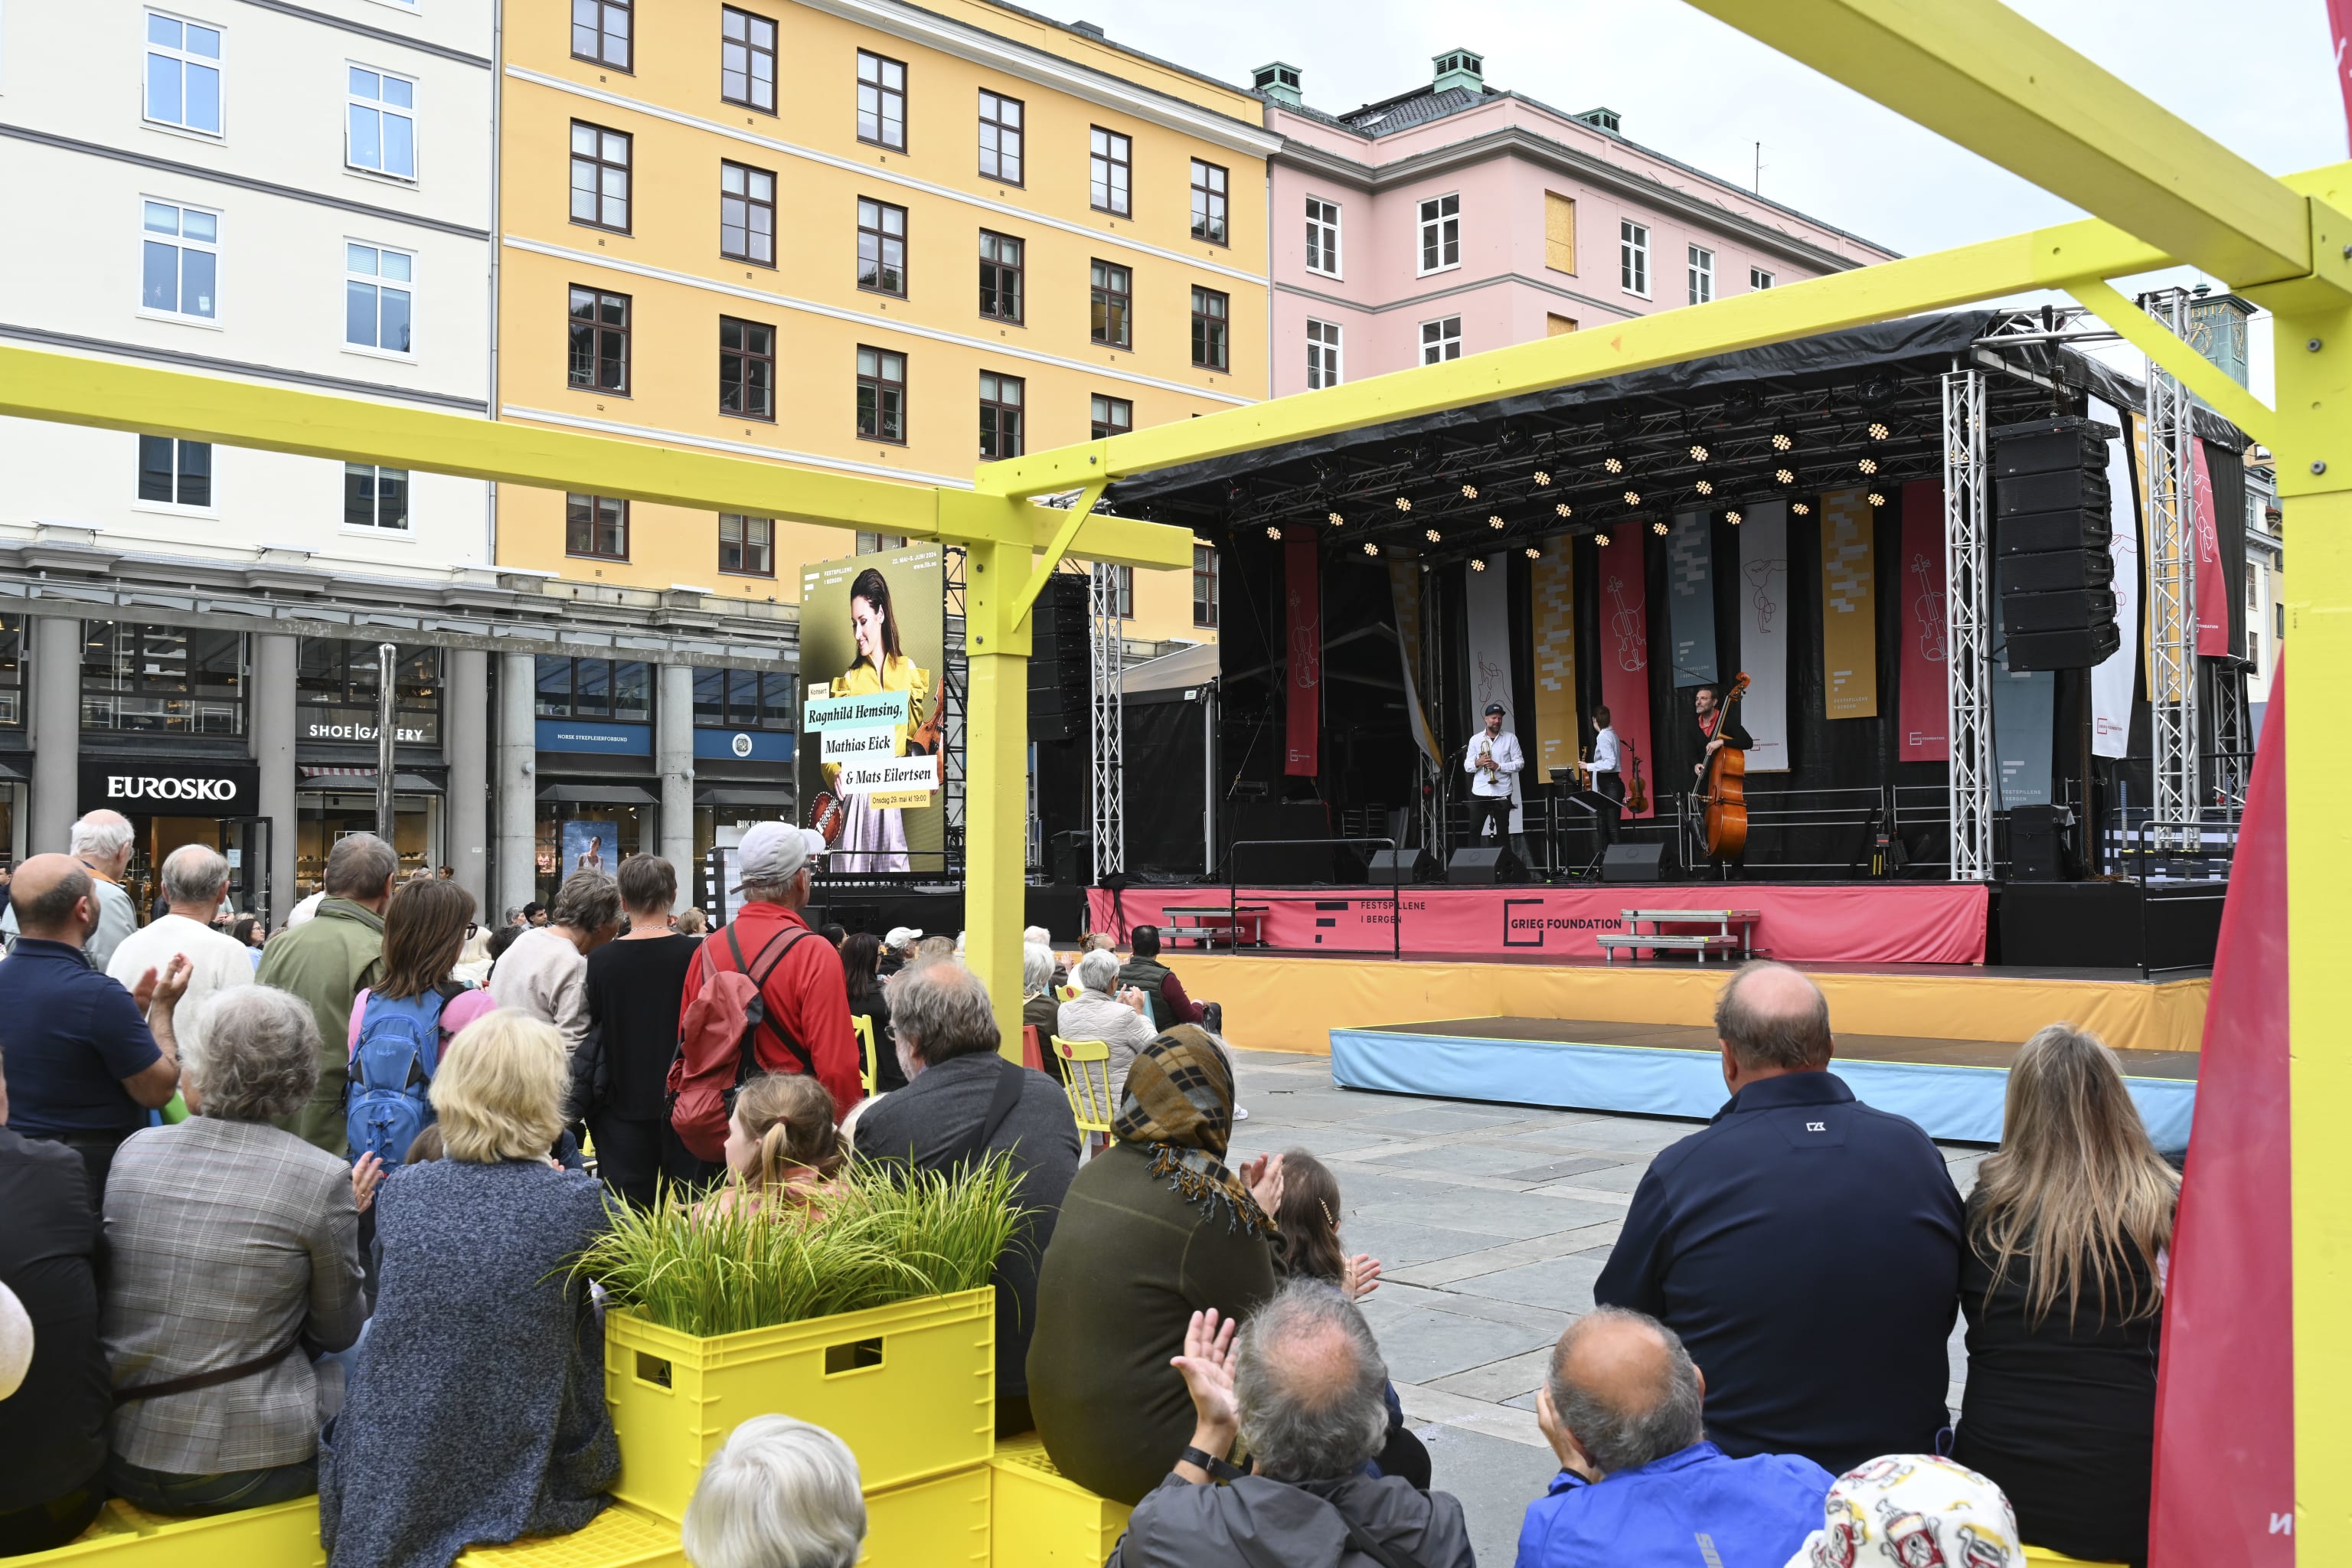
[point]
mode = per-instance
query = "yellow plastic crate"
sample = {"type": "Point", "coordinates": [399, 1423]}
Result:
{"type": "Point", "coordinates": [283, 1535]}
{"type": "Point", "coordinates": [911, 1388]}
{"type": "Point", "coordinates": [1042, 1520]}
{"type": "Point", "coordinates": [620, 1536]}
{"type": "Point", "coordinates": [939, 1523]}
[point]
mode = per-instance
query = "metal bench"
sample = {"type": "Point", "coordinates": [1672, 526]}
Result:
{"type": "Point", "coordinates": [1204, 925]}
{"type": "Point", "coordinates": [1733, 935]}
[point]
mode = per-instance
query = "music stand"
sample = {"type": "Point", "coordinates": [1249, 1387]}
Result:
{"type": "Point", "coordinates": [1589, 801]}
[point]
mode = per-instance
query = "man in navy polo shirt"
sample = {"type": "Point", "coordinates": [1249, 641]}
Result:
{"type": "Point", "coordinates": [1805, 1246]}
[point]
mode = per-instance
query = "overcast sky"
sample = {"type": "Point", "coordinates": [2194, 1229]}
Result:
{"type": "Point", "coordinates": [2253, 73]}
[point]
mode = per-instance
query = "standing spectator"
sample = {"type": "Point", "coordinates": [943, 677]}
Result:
{"type": "Point", "coordinates": [632, 988]}
{"type": "Point", "coordinates": [86, 1069]}
{"type": "Point", "coordinates": [779, 1493]}
{"type": "Point", "coordinates": [534, 913]}
{"type": "Point", "coordinates": [231, 1245]}
{"type": "Point", "coordinates": [195, 881]}
{"type": "Point", "coordinates": [692, 921]}
{"type": "Point", "coordinates": [545, 973]}
{"type": "Point", "coordinates": [964, 1101]}
{"type": "Point", "coordinates": [1122, 1022]}
{"type": "Point", "coordinates": [424, 927]}
{"type": "Point", "coordinates": [327, 960]}
{"type": "Point", "coordinates": [473, 966]}
{"type": "Point", "coordinates": [249, 935]}
{"type": "Point", "coordinates": [53, 1425]}
{"type": "Point", "coordinates": [860, 968]}
{"type": "Point", "coordinates": [2063, 1283]}
{"type": "Point", "coordinates": [805, 995]}
{"type": "Point", "coordinates": [1161, 988]}
{"type": "Point", "coordinates": [1740, 1238]}
{"type": "Point", "coordinates": [102, 842]}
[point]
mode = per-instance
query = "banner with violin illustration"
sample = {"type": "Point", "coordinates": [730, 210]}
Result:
{"type": "Point", "coordinates": [1625, 659]}
{"type": "Point", "coordinates": [872, 639]}
{"type": "Point", "coordinates": [1923, 703]}
{"type": "Point", "coordinates": [1763, 645]}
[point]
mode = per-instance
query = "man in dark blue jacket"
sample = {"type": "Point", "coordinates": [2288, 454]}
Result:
{"type": "Point", "coordinates": [1805, 1246]}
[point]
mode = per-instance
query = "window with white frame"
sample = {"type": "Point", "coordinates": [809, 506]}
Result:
{"type": "Point", "coordinates": [1322, 236]}
{"type": "Point", "coordinates": [378, 299]}
{"type": "Point", "coordinates": [184, 74]}
{"type": "Point", "coordinates": [1441, 233]}
{"type": "Point", "coordinates": [175, 473]}
{"type": "Point", "coordinates": [1701, 275]}
{"type": "Point", "coordinates": [375, 498]}
{"type": "Point", "coordinates": [1758, 278]}
{"type": "Point", "coordinates": [1441, 340]}
{"type": "Point", "coordinates": [1322, 354]}
{"type": "Point", "coordinates": [1634, 257]}
{"type": "Point", "coordinates": [180, 260]}
{"type": "Point", "coordinates": [379, 123]}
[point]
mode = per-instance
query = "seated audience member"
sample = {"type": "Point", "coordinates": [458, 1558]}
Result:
{"type": "Point", "coordinates": [782, 1145]}
{"type": "Point", "coordinates": [1302, 1386]}
{"type": "Point", "coordinates": [2063, 1285]}
{"type": "Point", "coordinates": [1038, 936]}
{"type": "Point", "coordinates": [964, 1101]}
{"type": "Point", "coordinates": [1905, 1508]}
{"type": "Point", "coordinates": [633, 986]}
{"type": "Point", "coordinates": [779, 1493]}
{"type": "Point", "coordinates": [1154, 1229]}
{"type": "Point", "coordinates": [932, 950]}
{"type": "Point", "coordinates": [897, 946]}
{"type": "Point", "coordinates": [195, 884]}
{"type": "Point", "coordinates": [1306, 1246]}
{"type": "Point", "coordinates": [232, 1247]}
{"type": "Point", "coordinates": [861, 959]}
{"type": "Point", "coordinates": [1749, 1254]}
{"type": "Point", "coordinates": [545, 973]}
{"type": "Point", "coordinates": [1165, 993]}
{"type": "Point", "coordinates": [1638, 1479]}
{"type": "Point", "coordinates": [53, 1425]}
{"type": "Point", "coordinates": [1122, 1022]}
{"type": "Point", "coordinates": [1039, 1011]}
{"type": "Point", "coordinates": [476, 1406]}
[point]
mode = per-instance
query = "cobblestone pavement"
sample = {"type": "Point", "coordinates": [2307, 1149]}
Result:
{"type": "Point", "coordinates": [1491, 1223]}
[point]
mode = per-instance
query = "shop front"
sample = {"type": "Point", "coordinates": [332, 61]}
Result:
{"type": "Point", "coordinates": [172, 801]}
{"type": "Point", "coordinates": [336, 727]}
{"type": "Point", "coordinates": [744, 721]}
{"type": "Point", "coordinates": [597, 796]}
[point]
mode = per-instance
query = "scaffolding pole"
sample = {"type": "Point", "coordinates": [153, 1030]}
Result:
{"type": "Point", "coordinates": [1107, 726]}
{"type": "Point", "coordinates": [1967, 623]}
{"type": "Point", "coordinates": [2168, 460]}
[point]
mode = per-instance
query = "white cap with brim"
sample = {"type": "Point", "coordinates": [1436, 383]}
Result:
{"type": "Point", "coordinates": [775, 852]}
{"type": "Point", "coordinates": [902, 936]}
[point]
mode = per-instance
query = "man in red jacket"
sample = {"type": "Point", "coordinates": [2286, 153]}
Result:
{"type": "Point", "coordinates": [806, 997]}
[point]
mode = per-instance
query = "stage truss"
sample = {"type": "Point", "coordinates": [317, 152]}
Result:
{"type": "Point", "coordinates": [1106, 722]}
{"type": "Point", "coordinates": [1968, 601]}
{"type": "Point", "coordinates": [2168, 459]}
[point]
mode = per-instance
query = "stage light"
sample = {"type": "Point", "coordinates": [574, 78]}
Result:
{"type": "Point", "coordinates": [1601, 540]}
{"type": "Point", "coordinates": [1612, 465]}
{"type": "Point", "coordinates": [1543, 477]}
{"type": "Point", "coordinates": [1733, 517]}
{"type": "Point", "coordinates": [1272, 531]}
{"type": "Point", "coordinates": [1533, 553]}
{"type": "Point", "coordinates": [1877, 499]}
{"type": "Point", "coordinates": [1494, 521]}
{"type": "Point", "coordinates": [1802, 508]}
{"type": "Point", "coordinates": [1698, 452]}
{"type": "Point", "coordinates": [1478, 563]}
{"type": "Point", "coordinates": [1878, 432]}
{"type": "Point", "coordinates": [1469, 492]}
{"type": "Point", "coordinates": [1784, 476]}
{"type": "Point", "coordinates": [1705, 487]}
{"type": "Point", "coordinates": [1632, 498]}
{"type": "Point", "coordinates": [1868, 464]}
{"type": "Point", "coordinates": [1564, 509]}
{"type": "Point", "coordinates": [1334, 519]}
{"type": "Point", "coordinates": [1659, 528]}
{"type": "Point", "coordinates": [1783, 441]}
{"type": "Point", "coordinates": [1434, 536]}
{"type": "Point", "coordinates": [1370, 548]}
{"type": "Point", "coordinates": [1405, 504]}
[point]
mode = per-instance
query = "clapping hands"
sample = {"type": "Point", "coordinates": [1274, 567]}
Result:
{"type": "Point", "coordinates": [1207, 1365]}
{"type": "Point", "coordinates": [1263, 1177]}
{"type": "Point", "coordinates": [367, 1175]}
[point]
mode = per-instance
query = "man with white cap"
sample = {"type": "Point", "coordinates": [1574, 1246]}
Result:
{"type": "Point", "coordinates": [806, 997]}
{"type": "Point", "coordinates": [897, 946]}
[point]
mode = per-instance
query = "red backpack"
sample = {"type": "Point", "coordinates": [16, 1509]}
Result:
{"type": "Point", "coordinates": [717, 1046]}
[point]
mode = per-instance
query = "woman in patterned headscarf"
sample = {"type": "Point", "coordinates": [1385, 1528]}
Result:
{"type": "Point", "coordinates": [1155, 1228]}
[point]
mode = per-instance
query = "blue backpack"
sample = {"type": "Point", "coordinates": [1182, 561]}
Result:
{"type": "Point", "coordinates": [391, 1069]}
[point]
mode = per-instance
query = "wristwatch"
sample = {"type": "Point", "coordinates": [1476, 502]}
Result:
{"type": "Point", "coordinates": [1217, 1469]}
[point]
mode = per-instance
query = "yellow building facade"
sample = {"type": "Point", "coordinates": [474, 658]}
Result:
{"type": "Point", "coordinates": [861, 236]}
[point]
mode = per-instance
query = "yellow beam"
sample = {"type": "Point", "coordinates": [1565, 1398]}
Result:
{"type": "Point", "coordinates": [1079, 511]}
{"type": "Point", "coordinates": [1984, 77]}
{"type": "Point", "coordinates": [2192, 369]}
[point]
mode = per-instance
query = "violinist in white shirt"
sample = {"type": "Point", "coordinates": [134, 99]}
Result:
{"type": "Point", "coordinates": [1607, 778]}
{"type": "Point", "coordinates": [1493, 761]}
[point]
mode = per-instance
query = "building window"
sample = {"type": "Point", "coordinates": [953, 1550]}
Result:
{"type": "Point", "coordinates": [1556, 325]}
{"type": "Point", "coordinates": [335, 688]}
{"type": "Point", "coordinates": [1123, 581]}
{"type": "Point", "coordinates": [743, 699]}
{"type": "Point", "coordinates": [1634, 257]}
{"type": "Point", "coordinates": [1758, 278]}
{"type": "Point", "coordinates": [747, 214]}
{"type": "Point", "coordinates": [999, 137]}
{"type": "Point", "coordinates": [746, 59]}
{"type": "Point", "coordinates": [596, 526]}
{"type": "Point", "coordinates": [876, 543]}
{"type": "Point", "coordinates": [1111, 416]}
{"type": "Point", "coordinates": [184, 74]}
{"type": "Point", "coordinates": [379, 123]}
{"type": "Point", "coordinates": [174, 472]}
{"type": "Point", "coordinates": [600, 177]}
{"type": "Point", "coordinates": [1209, 343]}
{"type": "Point", "coordinates": [881, 100]}
{"type": "Point", "coordinates": [1441, 233]}
{"type": "Point", "coordinates": [1000, 415]}
{"type": "Point", "coordinates": [881, 396]}
{"type": "Point", "coordinates": [600, 340]}
{"type": "Point", "coordinates": [881, 247]}
{"type": "Point", "coordinates": [1322, 354]}
{"type": "Point", "coordinates": [1441, 340]}
{"type": "Point", "coordinates": [1208, 202]}
{"type": "Point", "coordinates": [377, 298]}
{"type": "Point", "coordinates": [180, 260]}
{"type": "Point", "coordinates": [1322, 236]}
{"type": "Point", "coordinates": [167, 679]}
{"type": "Point", "coordinates": [600, 33]}
{"type": "Point", "coordinates": [1560, 232]}
{"type": "Point", "coordinates": [1109, 165]}
{"type": "Point", "coordinates": [1000, 277]}
{"type": "Point", "coordinates": [747, 369]}
{"type": "Point", "coordinates": [747, 545]}
{"type": "Point", "coordinates": [1114, 303]}
{"type": "Point", "coordinates": [1701, 275]}
{"type": "Point", "coordinates": [1204, 585]}
{"type": "Point", "coordinates": [375, 498]}
{"type": "Point", "coordinates": [595, 688]}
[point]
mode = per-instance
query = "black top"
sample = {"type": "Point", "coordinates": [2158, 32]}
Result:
{"type": "Point", "coordinates": [1807, 1249]}
{"type": "Point", "coordinates": [634, 988]}
{"type": "Point", "coordinates": [53, 1429]}
{"type": "Point", "coordinates": [2060, 1413]}
{"type": "Point", "coordinates": [874, 1005]}
{"type": "Point", "coordinates": [72, 1035]}
{"type": "Point", "coordinates": [1735, 734]}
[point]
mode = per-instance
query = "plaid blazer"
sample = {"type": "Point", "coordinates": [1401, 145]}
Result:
{"type": "Point", "coordinates": [224, 1240]}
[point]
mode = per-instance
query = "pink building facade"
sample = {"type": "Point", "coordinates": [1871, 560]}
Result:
{"type": "Point", "coordinates": [1457, 218]}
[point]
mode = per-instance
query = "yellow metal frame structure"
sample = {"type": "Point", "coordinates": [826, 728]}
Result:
{"type": "Point", "coordinates": [2160, 191]}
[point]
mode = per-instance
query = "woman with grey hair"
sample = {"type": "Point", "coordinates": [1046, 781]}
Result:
{"type": "Point", "coordinates": [1039, 1011]}
{"type": "Point", "coordinates": [231, 1243]}
{"type": "Point", "coordinates": [780, 1493]}
{"type": "Point", "coordinates": [1120, 1019]}
{"type": "Point", "coordinates": [545, 973]}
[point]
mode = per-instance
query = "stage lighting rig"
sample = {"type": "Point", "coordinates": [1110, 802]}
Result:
{"type": "Point", "coordinates": [1877, 497]}
{"type": "Point", "coordinates": [1533, 553]}
{"type": "Point", "coordinates": [1733, 517]}
{"type": "Point", "coordinates": [1601, 540]}
{"type": "Point", "coordinates": [1632, 498]}
{"type": "Point", "coordinates": [1704, 486]}
{"type": "Point", "coordinates": [1478, 563]}
{"type": "Point", "coordinates": [1469, 492]}
{"type": "Point", "coordinates": [1613, 465]}
{"type": "Point", "coordinates": [1405, 504]}
{"type": "Point", "coordinates": [1434, 536]}
{"type": "Point", "coordinates": [1543, 478]}
{"type": "Point", "coordinates": [1784, 477]}
{"type": "Point", "coordinates": [1370, 548]}
{"type": "Point", "coordinates": [1802, 508]}
{"type": "Point", "coordinates": [1659, 528]}
{"type": "Point", "coordinates": [1867, 465]}
{"type": "Point", "coordinates": [1494, 521]}
{"type": "Point", "coordinates": [1272, 531]}
{"type": "Point", "coordinates": [1335, 519]}
{"type": "Point", "coordinates": [1564, 509]}
{"type": "Point", "coordinates": [1878, 431]}
{"type": "Point", "coordinates": [1783, 438]}
{"type": "Point", "coordinates": [1698, 452]}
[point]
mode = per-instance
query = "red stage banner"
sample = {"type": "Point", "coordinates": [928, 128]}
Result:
{"type": "Point", "coordinates": [1926, 922]}
{"type": "Point", "coordinates": [1922, 705]}
{"type": "Point", "coordinates": [2213, 587]}
{"type": "Point", "coordinates": [1625, 652]}
{"type": "Point", "coordinates": [1302, 581]}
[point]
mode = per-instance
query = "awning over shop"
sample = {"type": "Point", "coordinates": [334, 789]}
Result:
{"type": "Point", "coordinates": [321, 777]}
{"type": "Point", "coordinates": [597, 795]}
{"type": "Point", "coordinates": [721, 794]}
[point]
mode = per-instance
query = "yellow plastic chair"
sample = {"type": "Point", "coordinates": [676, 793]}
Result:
{"type": "Point", "coordinates": [1088, 1084]}
{"type": "Point", "coordinates": [1066, 993]}
{"type": "Point", "coordinates": [862, 1026]}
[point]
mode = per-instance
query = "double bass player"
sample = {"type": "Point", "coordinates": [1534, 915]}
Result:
{"type": "Point", "coordinates": [1717, 727]}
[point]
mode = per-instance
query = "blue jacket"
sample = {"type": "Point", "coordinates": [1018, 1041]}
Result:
{"type": "Point", "coordinates": [1688, 1508]}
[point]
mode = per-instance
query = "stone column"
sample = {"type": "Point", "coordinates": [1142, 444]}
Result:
{"type": "Point", "coordinates": [674, 756]}
{"type": "Point", "coordinates": [465, 742]}
{"type": "Point", "coordinates": [56, 732]}
{"type": "Point", "coordinates": [518, 784]}
{"type": "Point", "coordinates": [275, 659]}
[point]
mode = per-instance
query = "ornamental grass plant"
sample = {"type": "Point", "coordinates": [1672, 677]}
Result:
{"type": "Point", "coordinates": [879, 1237]}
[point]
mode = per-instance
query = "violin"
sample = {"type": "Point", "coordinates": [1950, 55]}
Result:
{"type": "Point", "coordinates": [1724, 789]}
{"type": "Point", "coordinates": [1637, 793]}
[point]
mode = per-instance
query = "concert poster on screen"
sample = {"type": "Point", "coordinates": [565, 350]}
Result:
{"type": "Point", "coordinates": [873, 636]}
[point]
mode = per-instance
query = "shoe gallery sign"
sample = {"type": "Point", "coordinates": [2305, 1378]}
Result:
{"type": "Point", "coordinates": [194, 788]}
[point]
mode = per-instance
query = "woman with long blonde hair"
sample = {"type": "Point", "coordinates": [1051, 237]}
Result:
{"type": "Point", "coordinates": [2062, 1282]}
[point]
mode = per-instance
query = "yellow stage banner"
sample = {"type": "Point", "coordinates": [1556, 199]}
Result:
{"type": "Point", "coordinates": [1405, 597]}
{"type": "Point", "coordinates": [1552, 584]}
{"type": "Point", "coordinates": [1849, 605]}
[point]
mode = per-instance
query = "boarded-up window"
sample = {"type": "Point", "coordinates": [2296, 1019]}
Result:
{"type": "Point", "coordinates": [1560, 232]}
{"type": "Point", "coordinates": [1555, 325]}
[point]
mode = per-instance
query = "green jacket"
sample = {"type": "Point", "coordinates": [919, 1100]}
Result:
{"type": "Point", "coordinates": [327, 960]}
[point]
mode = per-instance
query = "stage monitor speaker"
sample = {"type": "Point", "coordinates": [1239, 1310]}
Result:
{"type": "Point", "coordinates": [2037, 843]}
{"type": "Point", "coordinates": [2078, 648]}
{"type": "Point", "coordinates": [1061, 666]}
{"type": "Point", "coordinates": [1483, 869]}
{"type": "Point", "coordinates": [1633, 863]}
{"type": "Point", "coordinates": [1388, 867]}
{"type": "Point", "coordinates": [2050, 537]}
{"type": "Point", "coordinates": [1074, 857]}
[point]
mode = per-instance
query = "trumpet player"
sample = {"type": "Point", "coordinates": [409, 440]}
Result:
{"type": "Point", "coordinates": [1493, 761]}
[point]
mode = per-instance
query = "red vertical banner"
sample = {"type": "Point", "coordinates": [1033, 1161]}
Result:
{"type": "Point", "coordinates": [1302, 586]}
{"type": "Point", "coordinates": [1922, 701]}
{"type": "Point", "coordinates": [2213, 585]}
{"type": "Point", "coordinates": [1625, 654]}
{"type": "Point", "coordinates": [2339, 22]}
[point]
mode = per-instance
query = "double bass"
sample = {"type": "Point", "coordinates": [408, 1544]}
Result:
{"type": "Point", "coordinates": [1724, 789]}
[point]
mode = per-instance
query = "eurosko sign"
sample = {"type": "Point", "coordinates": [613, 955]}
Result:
{"type": "Point", "coordinates": [196, 789]}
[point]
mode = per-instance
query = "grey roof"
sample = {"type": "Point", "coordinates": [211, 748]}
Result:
{"type": "Point", "coordinates": [1415, 108]}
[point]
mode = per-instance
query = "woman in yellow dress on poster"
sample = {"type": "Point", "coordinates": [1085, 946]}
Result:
{"type": "Point", "coordinates": [873, 839]}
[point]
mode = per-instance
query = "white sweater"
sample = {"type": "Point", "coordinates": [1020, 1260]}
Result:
{"type": "Point", "coordinates": [545, 976]}
{"type": "Point", "coordinates": [217, 961]}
